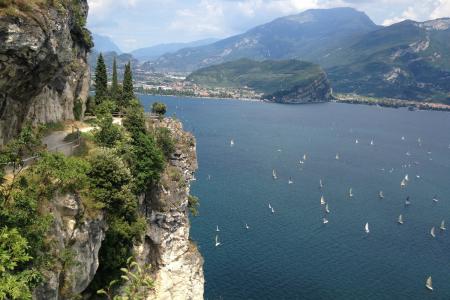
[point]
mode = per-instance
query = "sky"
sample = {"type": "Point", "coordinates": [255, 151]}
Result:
{"type": "Point", "coordinates": [133, 24]}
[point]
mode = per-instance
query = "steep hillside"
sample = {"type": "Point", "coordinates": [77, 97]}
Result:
{"type": "Point", "coordinates": [104, 44]}
{"type": "Point", "coordinates": [310, 36]}
{"type": "Point", "coordinates": [289, 81]}
{"type": "Point", "coordinates": [408, 60]}
{"type": "Point", "coordinates": [43, 62]}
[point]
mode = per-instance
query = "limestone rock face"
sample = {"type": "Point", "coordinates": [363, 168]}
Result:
{"type": "Point", "coordinates": [43, 66]}
{"type": "Point", "coordinates": [78, 238]}
{"type": "Point", "coordinates": [176, 261]}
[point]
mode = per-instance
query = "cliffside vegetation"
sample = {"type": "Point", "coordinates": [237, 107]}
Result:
{"type": "Point", "coordinates": [120, 164]}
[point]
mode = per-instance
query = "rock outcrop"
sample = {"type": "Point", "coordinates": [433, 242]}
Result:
{"type": "Point", "coordinates": [176, 261]}
{"type": "Point", "coordinates": [77, 238]}
{"type": "Point", "coordinates": [43, 63]}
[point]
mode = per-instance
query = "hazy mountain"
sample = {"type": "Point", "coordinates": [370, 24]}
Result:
{"type": "Point", "coordinates": [151, 53]}
{"type": "Point", "coordinates": [311, 36]}
{"type": "Point", "coordinates": [104, 44]}
{"type": "Point", "coordinates": [121, 59]}
{"type": "Point", "coordinates": [286, 81]}
{"type": "Point", "coordinates": [408, 60]}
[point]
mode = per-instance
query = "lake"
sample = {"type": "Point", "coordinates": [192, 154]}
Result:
{"type": "Point", "coordinates": [291, 254]}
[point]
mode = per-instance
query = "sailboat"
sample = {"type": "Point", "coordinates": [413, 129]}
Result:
{"type": "Point", "coordinates": [322, 200]}
{"type": "Point", "coordinates": [350, 193]}
{"type": "Point", "coordinates": [217, 228]}
{"type": "Point", "coordinates": [442, 227]}
{"type": "Point", "coordinates": [381, 195]}
{"type": "Point", "coordinates": [403, 183]}
{"type": "Point", "coordinates": [407, 202]}
{"type": "Point", "coordinates": [325, 221]}
{"type": "Point", "coordinates": [337, 156]}
{"type": "Point", "coordinates": [432, 232]}
{"type": "Point", "coordinates": [246, 226]}
{"type": "Point", "coordinates": [435, 199]}
{"type": "Point", "coordinates": [356, 142]}
{"type": "Point", "coordinates": [320, 183]}
{"type": "Point", "coordinates": [429, 284]}
{"type": "Point", "coordinates": [304, 157]}
{"type": "Point", "coordinates": [274, 174]}
{"type": "Point", "coordinates": [217, 241]}
{"type": "Point", "coordinates": [327, 209]}
{"type": "Point", "coordinates": [290, 181]}
{"type": "Point", "coordinates": [273, 211]}
{"type": "Point", "coordinates": [270, 206]}
{"type": "Point", "coordinates": [372, 143]}
{"type": "Point", "coordinates": [232, 143]}
{"type": "Point", "coordinates": [366, 228]}
{"type": "Point", "coordinates": [403, 138]}
{"type": "Point", "coordinates": [400, 219]}
{"type": "Point", "coordinates": [407, 177]}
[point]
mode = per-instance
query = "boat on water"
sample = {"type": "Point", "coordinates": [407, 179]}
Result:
{"type": "Point", "coordinates": [217, 228]}
{"type": "Point", "coordinates": [320, 183]}
{"type": "Point", "coordinates": [350, 193]}
{"type": "Point", "coordinates": [325, 221]}
{"type": "Point", "coordinates": [274, 174]}
{"type": "Point", "coordinates": [403, 138]}
{"type": "Point", "coordinates": [232, 143]}
{"type": "Point", "coordinates": [290, 180]}
{"type": "Point", "coordinates": [372, 143]}
{"type": "Point", "coordinates": [433, 234]}
{"type": "Point", "coordinates": [356, 142]}
{"type": "Point", "coordinates": [270, 206]}
{"type": "Point", "coordinates": [273, 210]}
{"type": "Point", "coordinates": [366, 228]}
{"type": "Point", "coordinates": [403, 183]}
{"type": "Point", "coordinates": [435, 198]}
{"type": "Point", "coordinates": [304, 157]}
{"type": "Point", "coordinates": [381, 195]}
{"type": "Point", "coordinates": [246, 226]}
{"type": "Point", "coordinates": [407, 177]}
{"type": "Point", "coordinates": [322, 200]}
{"type": "Point", "coordinates": [337, 156]}
{"type": "Point", "coordinates": [442, 227]}
{"type": "Point", "coordinates": [429, 283]}
{"type": "Point", "coordinates": [327, 209]}
{"type": "Point", "coordinates": [407, 202]}
{"type": "Point", "coordinates": [217, 241]}
{"type": "Point", "coordinates": [400, 219]}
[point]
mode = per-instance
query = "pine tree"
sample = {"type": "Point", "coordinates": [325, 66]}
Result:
{"type": "Point", "coordinates": [128, 92]}
{"type": "Point", "coordinates": [101, 81]}
{"type": "Point", "coordinates": [115, 85]}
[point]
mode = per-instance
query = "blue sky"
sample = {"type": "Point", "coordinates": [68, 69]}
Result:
{"type": "Point", "coordinates": [139, 23]}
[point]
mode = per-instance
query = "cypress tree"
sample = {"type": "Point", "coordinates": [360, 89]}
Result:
{"type": "Point", "coordinates": [115, 85]}
{"type": "Point", "coordinates": [128, 92]}
{"type": "Point", "coordinates": [101, 80]}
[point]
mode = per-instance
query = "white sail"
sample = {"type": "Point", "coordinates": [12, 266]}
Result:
{"type": "Point", "coordinates": [366, 228]}
{"type": "Point", "coordinates": [400, 219]}
{"type": "Point", "coordinates": [442, 227]}
{"type": "Point", "coordinates": [325, 221]}
{"type": "Point", "coordinates": [327, 209]}
{"type": "Point", "coordinates": [290, 180]}
{"type": "Point", "coordinates": [403, 138]}
{"type": "Point", "coordinates": [273, 210]}
{"type": "Point", "coordinates": [350, 193]}
{"type": "Point", "coordinates": [371, 143]}
{"type": "Point", "coordinates": [337, 156]}
{"type": "Point", "coordinates": [217, 241]}
{"type": "Point", "coordinates": [403, 183]}
{"type": "Point", "coordinates": [432, 232]}
{"type": "Point", "coordinates": [274, 174]}
{"type": "Point", "coordinates": [217, 228]}
{"type": "Point", "coordinates": [356, 142]}
{"type": "Point", "coordinates": [429, 283]}
{"type": "Point", "coordinates": [246, 226]}
{"type": "Point", "coordinates": [232, 143]}
{"type": "Point", "coordinates": [435, 199]}
{"type": "Point", "coordinates": [270, 206]}
{"type": "Point", "coordinates": [320, 183]}
{"type": "Point", "coordinates": [381, 195]}
{"type": "Point", "coordinates": [407, 177]}
{"type": "Point", "coordinates": [322, 200]}
{"type": "Point", "coordinates": [304, 157]}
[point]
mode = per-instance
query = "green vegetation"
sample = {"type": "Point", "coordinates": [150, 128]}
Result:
{"type": "Point", "coordinates": [128, 90]}
{"type": "Point", "coordinates": [108, 134]}
{"type": "Point", "coordinates": [114, 91]}
{"type": "Point", "coordinates": [193, 204]}
{"type": "Point", "coordinates": [159, 108]}
{"type": "Point", "coordinates": [78, 109]}
{"type": "Point", "coordinates": [138, 283]}
{"type": "Point", "coordinates": [165, 141]}
{"type": "Point", "coordinates": [268, 77]}
{"type": "Point", "coordinates": [101, 81]}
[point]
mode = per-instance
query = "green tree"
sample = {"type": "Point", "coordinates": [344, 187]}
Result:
{"type": "Point", "coordinates": [134, 120]}
{"type": "Point", "coordinates": [115, 85]}
{"type": "Point", "coordinates": [107, 134]}
{"type": "Point", "coordinates": [128, 90]}
{"type": "Point", "coordinates": [101, 81]}
{"type": "Point", "coordinates": [159, 108]}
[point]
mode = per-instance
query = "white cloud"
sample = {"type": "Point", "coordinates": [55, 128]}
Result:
{"type": "Point", "coordinates": [442, 10]}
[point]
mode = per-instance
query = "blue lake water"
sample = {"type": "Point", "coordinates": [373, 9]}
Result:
{"type": "Point", "coordinates": [290, 254]}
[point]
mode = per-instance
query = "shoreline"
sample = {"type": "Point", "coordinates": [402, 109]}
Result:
{"type": "Point", "coordinates": [357, 100]}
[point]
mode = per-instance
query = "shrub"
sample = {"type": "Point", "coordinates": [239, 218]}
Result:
{"type": "Point", "coordinates": [159, 108]}
{"type": "Point", "coordinates": [193, 204]}
{"type": "Point", "coordinates": [165, 141]}
{"type": "Point", "coordinates": [78, 109]}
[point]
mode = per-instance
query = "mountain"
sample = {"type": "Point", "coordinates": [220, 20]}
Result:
{"type": "Point", "coordinates": [288, 81]}
{"type": "Point", "coordinates": [104, 44]}
{"type": "Point", "coordinates": [311, 36]}
{"type": "Point", "coordinates": [407, 60]}
{"type": "Point", "coordinates": [151, 53]}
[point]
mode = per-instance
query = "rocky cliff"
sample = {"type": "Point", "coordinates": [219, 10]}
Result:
{"type": "Point", "coordinates": [176, 261]}
{"type": "Point", "coordinates": [43, 62]}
